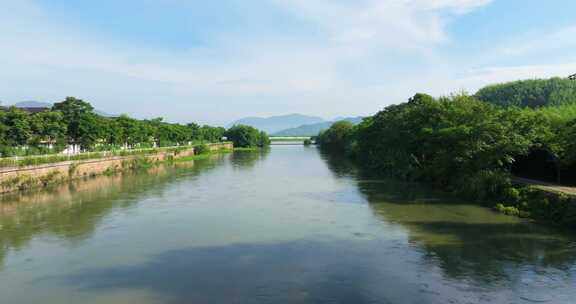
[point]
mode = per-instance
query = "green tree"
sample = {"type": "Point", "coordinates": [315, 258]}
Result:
{"type": "Point", "coordinates": [446, 140]}
{"type": "Point", "coordinates": [18, 131]}
{"type": "Point", "coordinates": [48, 127]}
{"type": "Point", "coordinates": [338, 136]}
{"type": "Point", "coordinates": [247, 137]}
{"type": "Point", "coordinates": [79, 117]}
{"type": "Point", "coordinates": [212, 134]}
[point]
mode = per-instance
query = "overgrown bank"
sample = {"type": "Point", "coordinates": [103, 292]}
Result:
{"type": "Point", "coordinates": [472, 145]}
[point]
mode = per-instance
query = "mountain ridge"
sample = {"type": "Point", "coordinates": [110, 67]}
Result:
{"type": "Point", "coordinates": [314, 129]}
{"type": "Point", "coordinates": [277, 123]}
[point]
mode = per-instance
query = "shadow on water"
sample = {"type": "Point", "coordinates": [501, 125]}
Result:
{"type": "Point", "coordinates": [464, 240]}
{"type": "Point", "coordinates": [287, 272]}
{"type": "Point", "coordinates": [73, 210]}
{"type": "Point", "coordinates": [339, 164]}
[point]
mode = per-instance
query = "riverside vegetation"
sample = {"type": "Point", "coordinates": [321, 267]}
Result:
{"type": "Point", "coordinates": [39, 138]}
{"type": "Point", "coordinates": [474, 145]}
{"type": "Point", "coordinates": [74, 122]}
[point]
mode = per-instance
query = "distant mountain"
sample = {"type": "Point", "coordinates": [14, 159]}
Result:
{"type": "Point", "coordinates": [104, 114]}
{"type": "Point", "coordinates": [277, 123]}
{"type": "Point", "coordinates": [32, 104]}
{"type": "Point", "coordinates": [314, 129]}
{"type": "Point", "coordinates": [40, 104]}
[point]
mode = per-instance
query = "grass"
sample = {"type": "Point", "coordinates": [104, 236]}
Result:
{"type": "Point", "coordinates": [194, 157]}
{"type": "Point", "coordinates": [205, 155]}
{"type": "Point", "coordinates": [24, 181]}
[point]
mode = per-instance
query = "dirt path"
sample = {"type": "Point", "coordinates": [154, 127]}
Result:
{"type": "Point", "coordinates": [546, 185]}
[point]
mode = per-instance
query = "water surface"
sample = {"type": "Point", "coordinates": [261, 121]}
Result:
{"type": "Point", "coordinates": [285, 226]}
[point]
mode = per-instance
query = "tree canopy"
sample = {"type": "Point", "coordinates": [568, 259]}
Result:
{"type": "Point", "coordinates": [73, 121]}
{"type": "Point", "coordinates": [530, 93]}
{"type": "Point", "coordinates": [337, 136]}
{"type": "Point", "coordinates": [247, 137]}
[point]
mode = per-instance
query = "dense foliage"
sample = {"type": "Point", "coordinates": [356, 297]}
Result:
{"type": "Point", "coordinates": [530, 93]}
{"type": "Point", "coordinates": [73, 122]}
{"type": "Point", "coordinates": [247, 137]}
{"type": "Point", "coordinates": [337, 136]}
{"type": "Point", "coordinates": [464, 145]}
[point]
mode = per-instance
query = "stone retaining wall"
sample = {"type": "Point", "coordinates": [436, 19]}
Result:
{"type": "Point", "coordinates": [14, 179]}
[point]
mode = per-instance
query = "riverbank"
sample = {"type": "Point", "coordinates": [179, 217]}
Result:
{"type": "Point", "coordinates": [466, 145]}
{"type": "Point", "coordinates": [544, 202]}
{"type": "Point", "coordinates": [22, 177]}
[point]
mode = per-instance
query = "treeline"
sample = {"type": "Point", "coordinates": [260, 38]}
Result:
{"type": "Point", "coordinates": [533, 93]}
{"type": "Point", "coordinates": [74, 122]}
{"type": "Point", "coordinates": [467, 145]}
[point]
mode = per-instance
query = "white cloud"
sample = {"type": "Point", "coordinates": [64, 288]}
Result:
{"type": "Point", "coordinates": [455, 6]}
{"type": "Point", "coordinates": [412, 24]}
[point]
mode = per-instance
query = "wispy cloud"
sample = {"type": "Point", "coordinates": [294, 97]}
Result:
{"type": "Point", "coordinates": [383, 23]}
{"type": "Point", "coordinates": [539, 41]}
{"type": "Point", "coordinates": [351, 28]}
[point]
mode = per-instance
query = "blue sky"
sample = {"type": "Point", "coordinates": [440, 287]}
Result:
{"type": "Point", "coordinates": [216, 61]}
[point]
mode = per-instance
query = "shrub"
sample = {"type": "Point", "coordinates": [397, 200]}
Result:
{"type": "Point", "coordinates": [201, 149]}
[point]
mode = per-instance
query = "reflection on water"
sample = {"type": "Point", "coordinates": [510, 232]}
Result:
{"type": "Point", "coordinates": [247, 159]}
{"type": "Point", "coordinates": [466, 241]}
{"type": "Point", "coordinates": [283, 226]}
{"type": "Point", "coordinates": [73, 210]}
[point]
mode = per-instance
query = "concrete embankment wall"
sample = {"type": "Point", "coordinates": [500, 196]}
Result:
{"type": "Point", "coordinates": [20, 178]}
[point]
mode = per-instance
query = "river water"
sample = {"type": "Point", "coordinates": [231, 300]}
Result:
{"type": "Point", "coordinates": [286, 226]}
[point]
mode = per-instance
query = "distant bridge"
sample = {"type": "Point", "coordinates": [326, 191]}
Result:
{"type": "Point", "coordinates": [289, 140]}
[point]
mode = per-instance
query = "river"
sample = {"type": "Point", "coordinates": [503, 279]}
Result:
{"type": "Point", "coordinates": [285, 226]}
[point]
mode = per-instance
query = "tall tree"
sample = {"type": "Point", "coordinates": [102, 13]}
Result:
{"type": "Point", "coordinates": [48, 127]}
{"type": "Point", "coordinates": [77, 114]}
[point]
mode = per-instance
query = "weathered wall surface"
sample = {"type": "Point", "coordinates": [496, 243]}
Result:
{"type": "Point", "coordinates": [14, 179]}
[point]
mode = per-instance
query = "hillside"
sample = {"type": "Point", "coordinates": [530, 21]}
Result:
{"type": "Point", "coordinates": [314, 129]}
{"type": "Point", "coordinates": [274, 124]}
{"type": "Point", "coordinates": [533, 93]}
{"type": "Point", "coordinates": [32, 104]}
